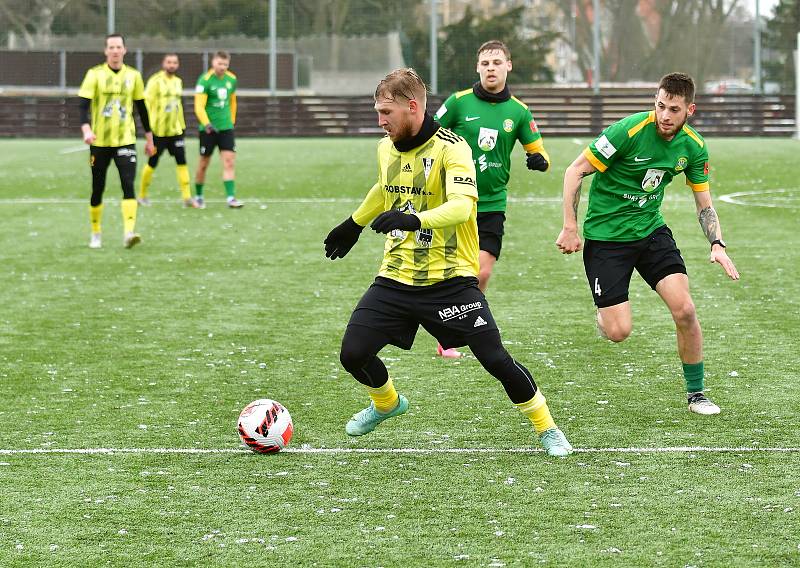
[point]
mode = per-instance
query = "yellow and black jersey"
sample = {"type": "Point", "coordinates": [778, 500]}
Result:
{"type": "Point", "coordinates": [419, 180]}
{"type": "Point", "coordinates": [164, 105]}
{"type": "Point", "coordinates": [112, 94]}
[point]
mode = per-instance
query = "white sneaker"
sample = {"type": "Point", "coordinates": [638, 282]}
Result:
{"type": "Point", "coordinates": [699, 404]}
{"type": "Point", "coordinates": [96, 241]}
{"type": "Point", "coordinates": [131, 239]}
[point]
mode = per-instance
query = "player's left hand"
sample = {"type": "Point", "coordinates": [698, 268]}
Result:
{"type": "Point", "coordinates": [719, 255]}
{"type": "Point", "coordinates": [149, 148]}
{"type": "Point", "coordinates": [537, 162]}
{"type": "Point", "coordinates": [394, 219]}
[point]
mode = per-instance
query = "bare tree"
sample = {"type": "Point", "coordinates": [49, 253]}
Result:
{"type": "Point", "coordinates": [31, 19]}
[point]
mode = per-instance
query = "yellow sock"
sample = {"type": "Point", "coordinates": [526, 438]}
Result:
{"type": "Point", "coordinates": [537, 412]}
{"type": "Point", "coordinates": [385, 397]}
{"type": "Point", "coordinates": [147, 177]}
{"type": "Point", "coordinates": [95, 216]}
{"type": "Point", "coordinates": [129, 207]}
{"type": "Point", "coordinates": [182, 172]}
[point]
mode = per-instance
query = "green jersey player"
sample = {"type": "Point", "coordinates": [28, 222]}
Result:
{"type": "Point", "coordinates": [633, 161]}
{"type": "Point", "coordinates": [215, 107]}
{"type": "Point", "coordinates": [491, 120]}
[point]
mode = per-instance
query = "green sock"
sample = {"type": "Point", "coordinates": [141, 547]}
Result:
{"type": "Point", "coordinates": [693, 373]}
{"type": "Point", "coordinates": [198, 189]}
{"type": "Point", "coordinates": [230, 188]}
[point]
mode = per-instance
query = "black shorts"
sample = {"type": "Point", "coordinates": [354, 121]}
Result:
{"type": "Point", "coordinates": [222, 139]}
{"type": "Point", "coordinates": [609, 265]}
{"type": "Point", "coordinates": [490, 231]}
{"type": "Point", "coordinates": [175, 145]}
{"type": "Point", "coordinates": [451, 311]}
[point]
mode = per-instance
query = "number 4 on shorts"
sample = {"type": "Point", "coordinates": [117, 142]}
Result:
{"type": "Point", "coordinates": [597, 287]}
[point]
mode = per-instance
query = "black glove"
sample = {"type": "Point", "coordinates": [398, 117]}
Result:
{"type": "Point", "coordinates": [342, 238]}
{"type": "Point", "coordinates": [537, 162]}
{"type": "Point", "coordinates": [394, 219]}
{"type": "Point", "coordinates": [210, 129]}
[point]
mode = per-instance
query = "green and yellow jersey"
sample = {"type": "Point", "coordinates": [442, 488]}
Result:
{"type": "Point", "coordinates": [491, 130]}
{"type": "Point", "coordinates": [112, 94]}
{"type": "Point", "coordinates": [215, 100]}
{"type": "Point", "coordinates": [164, 105]}
{"type": "Point", "coordinates": [634, 166]}
{"type": "Point", "coordinates": [417, 181]}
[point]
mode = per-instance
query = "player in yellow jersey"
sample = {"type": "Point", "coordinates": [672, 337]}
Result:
{"type": "Point", "coordinates": [163, 97]}
{"type": "Point", "coordinates": [111, 90]}
{"type": "Point", "coordinates": [425, 201]}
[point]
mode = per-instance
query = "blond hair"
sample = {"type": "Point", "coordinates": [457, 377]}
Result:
{"type": "Point", "coordinates": [402, 83]}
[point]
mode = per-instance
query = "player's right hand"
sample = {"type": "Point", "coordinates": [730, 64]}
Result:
{"type": "Point", "coordinates": [210, 128]}
{"type": "Point", "coordinates": [342, 238]}
{"type": "Point", "coordinates": [89, 137]}
{"type": "Point", "coordinates": [568, 241]}
{"type": "Point", "coordinates": [536, 162]}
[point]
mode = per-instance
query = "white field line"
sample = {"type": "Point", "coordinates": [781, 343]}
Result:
{"type": "Point", "coordinates": [389, 451]}
{"type": "Point", "coordinates": [268, 200]}
{"type": "Point", "coordinates": [734, 198]}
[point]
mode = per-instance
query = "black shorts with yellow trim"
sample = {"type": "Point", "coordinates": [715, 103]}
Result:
{"type": "Point", "coordinates": [175, 145]}
{"type": "Point", "coordinates": [491, 228]}
{"type": "Point", "coordinates": [452, 311]}
{"type": "Point", "coordinates": [222, 139]}
{"type": "Point", "coordinates": [609, 265]}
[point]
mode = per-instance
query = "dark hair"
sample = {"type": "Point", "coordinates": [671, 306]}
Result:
{"type": "Point", "coordinates": [678, 84]}
{"type": "Point", "coordinates": [120, 36]}
{"type": "Point", "coordinates": [221, 55]}
{"type": "Point", "coordinates": [494, 45]}
{"type": "Point", "coordinates": [404, 83]}
{"type": "Point", "coordinates": [170, 54]}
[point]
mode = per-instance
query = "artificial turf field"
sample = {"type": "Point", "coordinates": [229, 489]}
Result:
{"type": "Point", "coordinates": [159, 347]}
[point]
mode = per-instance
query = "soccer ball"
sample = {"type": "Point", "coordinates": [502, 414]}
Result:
{"type": "Point", "coordinates": [265, 426]}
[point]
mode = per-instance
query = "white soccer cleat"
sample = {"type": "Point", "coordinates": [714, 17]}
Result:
{"type": "Point", "coordinates": [191, 203]}
{"type": "Point", "coordinates": [144, 201]}
{"type": "Point", "coordinates": [700, 404]}
{"type": "Point", "coordinates": [131, 239]}
{"type": "Point", "coordinates": [96, 241]}
{"type": "Point", "coordinates": [234, 203]}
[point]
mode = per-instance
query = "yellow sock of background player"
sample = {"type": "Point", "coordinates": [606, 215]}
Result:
{"type": "Point", "coordinates": [129, 207]}
{"type": "Point", "coordinates": [182, 173]}
{"type": "Point", "coordinates": [147, 177]}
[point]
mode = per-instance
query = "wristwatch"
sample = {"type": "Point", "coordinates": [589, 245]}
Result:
{"type": "Point", "coordinates": [719, 242]}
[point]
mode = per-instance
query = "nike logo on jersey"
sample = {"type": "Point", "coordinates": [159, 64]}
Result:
{"type": "Point", "coordinates": [638, 159]}
{"type": "Point", "coordinates": [471, 118]}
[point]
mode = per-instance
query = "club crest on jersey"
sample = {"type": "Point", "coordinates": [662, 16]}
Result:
{"type": "Point", "coordinates": [652, 179]}
{"type": "Point", "coordinates": [427, 164]}
{"type": "Point", "coordinates": [487, 139]}
{"type": "Point", "coordinates": [681, 165]}
{"type": "Point", "coordinates": [508, 125]}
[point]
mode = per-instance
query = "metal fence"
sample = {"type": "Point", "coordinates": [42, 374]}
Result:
{"type": "Point", "coordinates": [573, 112]}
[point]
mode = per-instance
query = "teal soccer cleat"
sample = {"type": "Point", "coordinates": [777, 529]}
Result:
{"type": "Point", "coordinates": [555, 443]}
{"type": "Point", "coordinates": [365, 421]}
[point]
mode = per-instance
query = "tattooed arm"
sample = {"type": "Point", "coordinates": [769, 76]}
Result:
{"type": "Point", "coordinates": [709, 222]}
{"type": "Point", "coordinates": [568, 240]}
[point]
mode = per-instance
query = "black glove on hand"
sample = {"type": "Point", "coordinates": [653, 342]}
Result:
{"type": "Point", "coordinates": [342, 238]}
{"type": "Point", "coordinates": [537, 162]}
{"type": "Point", "coordinates": [394, 219]}
{"type": "Point", "coordinates": [210, 128]}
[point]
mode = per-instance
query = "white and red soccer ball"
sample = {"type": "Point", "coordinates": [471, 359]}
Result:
{"type": "Point", "coordinates": [265, 426]}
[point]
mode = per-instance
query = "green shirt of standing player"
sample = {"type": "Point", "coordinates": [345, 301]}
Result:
{"type": "Point", "coordinates": [215, 108]}
{"type": "Point", "coordinates": [633, 161]}
{"type": "Point", "coordinates": [491, 120]}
